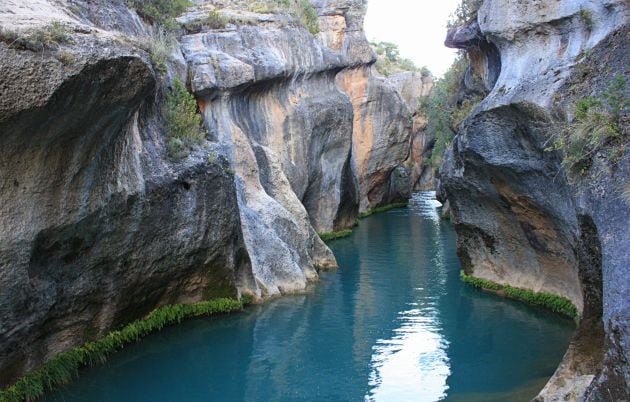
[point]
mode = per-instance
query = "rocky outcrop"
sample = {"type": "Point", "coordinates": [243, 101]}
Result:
{"type": "Point", "coordinates": [521, 219]}
{"type": "Point", "coordinates": [97, 228]}
{"type": "Point", "coordinates": [100, 226]}
{"type": "Point", "coordinates": [380, 134]}
{"type": "Point", "coordinates": [381, 120]}
{"type": "Point", "coordinates": [414, 87]}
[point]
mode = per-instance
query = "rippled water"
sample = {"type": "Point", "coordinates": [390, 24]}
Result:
{"type": "Point", "coordinates": [394, 323]}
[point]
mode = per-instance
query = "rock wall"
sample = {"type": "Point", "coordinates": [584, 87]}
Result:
{"type": "Point", "coordinates": [97, 228]}
{"type": "Point", "coordinates": [380, 134]}
{"type": "Point", "coordinates": [100, 226]}
{"type": "Point", "coordinates": [521, 219]}
{"type": "Point", "coordinates": [381, 109]}
{"type": "Point", "coordinates": [414, 86]}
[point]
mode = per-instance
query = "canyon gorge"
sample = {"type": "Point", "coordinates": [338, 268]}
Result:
{"type": "Point", "coordinates": [105, 216]}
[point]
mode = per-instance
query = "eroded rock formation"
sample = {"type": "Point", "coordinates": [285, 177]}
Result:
{"type": "Point", "coordinates": [100, 226]}
{"type": "Point", "coordinates": [414, 86]}
{"type": "Point", "coordinates": [521, 218]}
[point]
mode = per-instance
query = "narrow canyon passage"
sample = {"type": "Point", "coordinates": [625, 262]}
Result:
{"type": "Point", "coordinates": [393, 323]}
{"type": "Point", "coordinates": [168, 160]}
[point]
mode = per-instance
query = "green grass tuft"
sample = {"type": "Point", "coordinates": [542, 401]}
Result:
{"type": "Point", "coordinates": [553, 302]}
{"type": "Point", "coordinates": [597, 126]}
{"type": "Point", "coordinates": [302, 10]}
{"type": "Point", "coordinates": [40, 39]}
{"type": "Point", "coordinates": [328, 236]}
{"type": "Point", "coordinates": [212, 20]}
{"type": "Point", "coordinates": [62, 368]}
{"type": "Point", "coordinates": [247, 299]}
{"type": "Point", "coordinates": [384, 208]}
{"type": "Point", "coordinates": [160, 46]}
{"type": "Point", "coordinates": [478, 282]}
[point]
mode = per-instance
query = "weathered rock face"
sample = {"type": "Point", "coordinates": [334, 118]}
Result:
{"type": "Point", "coordinates": [520, 218]}
{"type": "Point", "coordinates": [380, 134]}
{"type": "Point", "coordinates": [99, 226]}
{"type": "Point", "coordinates": [413, 86]}
{"type": "Point", "coordinates": [286, 138]}
{"type": "Point", "coordinates": [382, 113]}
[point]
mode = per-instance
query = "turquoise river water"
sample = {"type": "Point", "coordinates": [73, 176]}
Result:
{"type": "Point", "coordinates": [394, 323]}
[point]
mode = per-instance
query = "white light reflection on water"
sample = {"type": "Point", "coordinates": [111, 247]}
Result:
{"type": "Point", "coordinates": [426, 205]}
{"type": "Point", "coordinates": [413, 365]}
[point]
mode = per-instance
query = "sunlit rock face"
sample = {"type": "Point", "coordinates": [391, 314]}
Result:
{"type": "Point", "coordinates": [380, 135]}
{"type": "Point", "coordinates": [381, 113]}
{"type": "Point", "coordinates": [286, 135]}
{"type": "Point", "coordinates": [100, 226]}
{"type": "Point", "coordinates": [523, 220]}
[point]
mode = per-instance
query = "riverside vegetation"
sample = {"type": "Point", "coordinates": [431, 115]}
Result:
{"type": "Point", "coordinates": [384, 208]}
{"type": "Point", "coordinates": [553, 302]}
{"type": "Point", "coordinates": [63, 367]}
{"type": "Point", "coordinates": [328, 236]}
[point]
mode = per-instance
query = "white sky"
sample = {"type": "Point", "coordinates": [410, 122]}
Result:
{"type": "Point", "coordinates": [418, 27]}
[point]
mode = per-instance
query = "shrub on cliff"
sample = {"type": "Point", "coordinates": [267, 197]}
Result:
{"type": "Point", "coordinates": [446, 108]}
{"type": "Point", "coordinates": [466, 12]}
{"type": "Point", "coordinates": [388, 60]}
{"type": "Point", "coordinates": [161, 12]}
{"type": "Point", "coordinates": [182, 120]}
{"type": "Point", "coordinates": [596, 127]}
{"type": "Point", "coordinates": [302, 10]}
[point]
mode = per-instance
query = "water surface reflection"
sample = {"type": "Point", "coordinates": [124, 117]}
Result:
{"type": "Point", "coordinates": [394, 323]}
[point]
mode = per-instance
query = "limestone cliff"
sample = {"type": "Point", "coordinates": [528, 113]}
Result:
{"type": "Point", "coordinates": [521, 217]}
{"type": "Point", "coordinates": [100, 226]}
{"type": "Point", "coordinates": [414, 87]}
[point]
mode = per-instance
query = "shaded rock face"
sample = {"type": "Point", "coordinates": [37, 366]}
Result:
{"type": "Point", "coordinates": [414, 87]}
{"type": "Point", "coordinates": [100, 226]}
{"type": "Point", "coordinates": [520, 218]}
{"type": "Point", "coordinates": [484, 57]}
{"type": "Point", "coordinates": [97, 230]}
